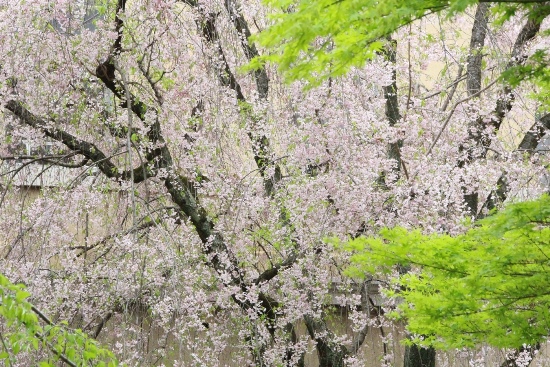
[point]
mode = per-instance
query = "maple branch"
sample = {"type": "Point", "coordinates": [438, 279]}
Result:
{"type": "Point", "coordinates": [60, 355]}
{"type": "Point", "coordinates": [513, 1]}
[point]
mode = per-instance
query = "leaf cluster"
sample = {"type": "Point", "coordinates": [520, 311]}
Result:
{"type": "Point", "coordinates": [313, 40]}
{"type": "Point", "coordinates": [24, 332]}
{"type": "Point", "coordinates": [488, 285]}
{"type": "Point", "coordinates": [535, 71]}
{"type": "Point", "coordinates": [316, 39]}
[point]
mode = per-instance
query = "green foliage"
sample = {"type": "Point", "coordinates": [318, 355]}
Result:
{"type": "Point", "coordinates": [316, 39]}
{"type": "Point", "coordinates": [489, 285]}
{"type": "Point", "coordinates": [536, 71]}
{"type": "Point", "coordinates": [23, 331]}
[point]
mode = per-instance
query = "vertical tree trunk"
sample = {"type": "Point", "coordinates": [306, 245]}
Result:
{"type": "Point", "coordinates": [473, 82]}
{"type": "Point", "coordinates": [392, 107]}
{"type": "Point", "coordinates": [416, 356]}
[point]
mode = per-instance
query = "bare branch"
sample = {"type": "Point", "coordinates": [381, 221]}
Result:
{"type": "Point", "coordinates": [535, 133]}
{"type": "Point", "coordinates": [55, 160]}
{"type": "Point", "coordinates": [273, 271]}
{"type": "Point", "coordinates": [250, 51]}
{"type": "Point", "coordinates": [453, 110]}
{"type": "Point", "coordinates": [89, 150]}
{"type": "Point", "coordinates": [104, 240]}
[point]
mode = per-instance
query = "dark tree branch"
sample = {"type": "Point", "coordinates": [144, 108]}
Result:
{"type": "Point", "coordinates": [60, 163]}
{"type": "Point", "coordinates": [504, 104]}
{"type": "Point", "coordinates": [272, 272]}
{"type": "Point", "coordinates": [120, 8]}
{"type": "Point", "coordinates": [181, 189]}
{"type": "Point", "coordinates": [56, 160]}
{"type": "Point", "coordinates": [290, 329]}
{"type": "Point", "coordinates": [360, 338]}
{"type": "Point", "coordinates": [106, 70]}
{"type": "Point", "coordinates": [473, 83]}
{"type": "Point", "coordinates": [528, 144]}
{"type": "Point", "coordinates": [330, 354]}
{"type": "Point", "coordinates": [250, 51]}
{"type": "Point", "coordinates": [207, 26]}
{"type": "Point", "coordinates": [534, 135]}
{"type": "Point", "coordinates": [104, 240]}
{"type": "Point", "coordinates": [392, 113]}
{"type": "Point", "coordinates": [101, 324]}
{"type": "Point", "coordinates": [392, 105]}
{"type": "Point", "coordinates": [453, 86]}
{"type": "Point", "coordinates": [529, 31]}
{"type": "Point", "coordinates": [260, 143]}
{"type": "Point", "coordinates": [477, 41]}
{"type": "Point", "coordinates": [416, 356]}
{"type": "Point", "coordinates": [87, 149]}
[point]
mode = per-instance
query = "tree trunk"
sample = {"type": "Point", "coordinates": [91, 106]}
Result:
{"type": "Point", "coordinates": [416, 356]}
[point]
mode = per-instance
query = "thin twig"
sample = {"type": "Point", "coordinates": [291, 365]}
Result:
{"type": "Point", "coordinates": [451, 94]}
{"type": "Point", "coordinates": [41, 337]}
{"type": "Point", "coordinates": [10, 358]}
{"type": "Point", "coordinates": [453, 110]}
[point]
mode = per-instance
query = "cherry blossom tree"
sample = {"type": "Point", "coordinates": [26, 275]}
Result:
{"type": "Point", "coordinates": [187, 202]}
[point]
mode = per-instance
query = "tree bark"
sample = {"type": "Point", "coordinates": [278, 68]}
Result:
{"type": "Point", "coordinates": [504, 104]}
{"type": "Point", "coordinates": [473, 83]}
{"type": "Point", "coordinates": [392, 107]}
{"type": "Point", "coordinates": [416, 356]}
